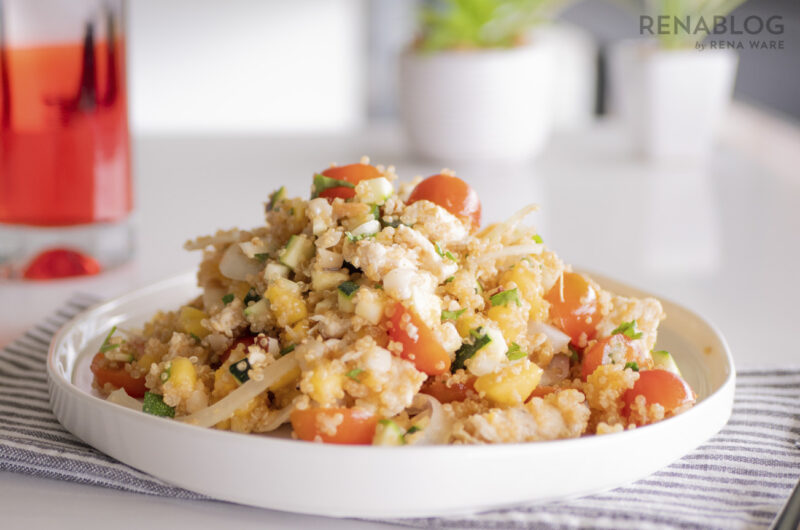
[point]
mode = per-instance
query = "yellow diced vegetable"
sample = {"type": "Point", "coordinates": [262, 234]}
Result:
{"type": "Point", "coordinates": [288, 378]}
{"type": "Point", "coordinates": [190, 320]}
{"type": "Point", "coordinates": [465, 323]}
{"type": "Point", "coordinates": [182, 373]}
{"type": "Point", "coordinates": [512, 384]}
{"type": "Point", "coordinates": [145, 361]}
{"type": "Point", "coordinates": [286, 301]}
{"type": "Point", "coordinates": [528, 280]}
{"type": "Point", "coordinates": [510, 319]}
{"type": "Point", "coordinates": [325, 385]}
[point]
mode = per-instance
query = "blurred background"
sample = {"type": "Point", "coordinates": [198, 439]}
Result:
{"type": "Point", "coordinates": [312, 65]}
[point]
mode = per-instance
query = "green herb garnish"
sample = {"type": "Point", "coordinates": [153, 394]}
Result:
{"type": "Point", "coordinates": [287, 349]}
{"type": "Point", "coordinates": [452, 315]}
{"type": "Point", "coordinates": [467, 350]}
{"type": "Point", "coordinates": [275, 197]}
{"type": "Point", "coordinates": [348, 288]}
{"type": "Point", "coordinates": [262, 256]}
{"type": "Point", "coordinates": [504, 297]}
{"type": "Point", "coordinates": [538, 239]}
{"type": "Point", "coordinates": [515, 352]}
{"type": "Point", "coordinates": [354, 373]}
{"type": "Point", "coordinates": [251, 296]}
{"type": "Point", "coordinates": [322, 183]}
{"type": "Point", "coordinates": [350, 237]}
{"type": "Point", "coordinates": [633, 366]}
{"type": "Point", "coordinates": [107, 346]}
{"type": "Point", "coordinates": [574, 355]}
{"type": "Point", "coordinates": [375, 211]}
{"type": "Point", "coordinates": [228, 298]}
{"type": "Point", "coordinates": [628, 329]}
{"type": "Point", "coordinates": [197, 339]}
{"type": "Point", "coordinates": [449, 279]}
{"type": "Point", "coordinates": [154, 404]}
{"type": "Point", "coordinates": [239, 370]}
{"type": "Point", "coordinates": [444, 253]}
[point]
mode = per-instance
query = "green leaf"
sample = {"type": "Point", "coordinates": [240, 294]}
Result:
{"type": "Point", "coordinates": [515, 352]}
{"type": "Point", "coordinates": [354, 373]}
{"type": "Point", "coordinates": [504, 297]}
{"type": "Point", "coordinates": [228, 298]}
{"type": "Point", "coordinates": [628, 329]}
{"type": "Point", "coordinates": [467, 350]}
{"type": "Point", "coordinates": [154, 404]}
{"type": "Point", "coordinates": [287, 349]}
{"type": "Point", "coordinates": [452, 315]}
{"type": "Point", "coordinates": [632, 365]}
{"type": "Point", "coordinates": [107, 346]}
{"type": "Point", "coordinates": [538, 239]}
{"type": "Point", "coordinates": [239, 370]}
{"type": "Point", "coordinates": [348, 288]}
{"type": "Point", "coordinates": [322, 183]}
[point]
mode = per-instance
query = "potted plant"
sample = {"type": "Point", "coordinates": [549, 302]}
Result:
{"type": "Point", "coordinates": [671, 89]}
{"type": "Point", "coordinates": [477, 84]}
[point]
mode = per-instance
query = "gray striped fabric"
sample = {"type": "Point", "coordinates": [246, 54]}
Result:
{"type": "Point", "coordinates": [739, 479]}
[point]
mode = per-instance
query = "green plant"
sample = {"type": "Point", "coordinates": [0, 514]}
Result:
{"type": "Point", "coordinates": [696, 14]}
{"type": "Point", "coordinates": [468, 24]}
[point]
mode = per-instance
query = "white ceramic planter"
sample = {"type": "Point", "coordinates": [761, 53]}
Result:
{"type": "Point", "coordinates": [671, 101]}
{"type": "Point", "coordinates": [478, 105]}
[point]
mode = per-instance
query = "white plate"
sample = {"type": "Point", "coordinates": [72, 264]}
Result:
{"type": "Point", "coordinates": [360, 481]}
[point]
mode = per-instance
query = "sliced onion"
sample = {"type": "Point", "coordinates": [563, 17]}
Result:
{"type": "Point", "coordinates": [277, 418]}
{"type": "Point", "coordinates": [120, 397]}
{"type": "Point", "coordinates": [513, 250]}
{"type": "Point", "coordinates": [239, 398]}
{"type": "Point", "coordinates": [436, 431]}
{"type": "Point", "coordinates": [556, 371]}
{"type": "Point", "coordinates": [236, 266]}
{"type": "Point", "coordinates": [558, 339]}
{"type": "Point", "coordinates": [511, 223]}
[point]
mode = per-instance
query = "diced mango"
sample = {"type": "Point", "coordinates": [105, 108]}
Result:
{"type": "Point", "coordinates": [510, 319]}
{"type": "Point", "coordinates": [286, 301]}
{"type": "Point", "coordinates": [182, 373]}
{"type": "Point", "coordinates": [224, 382]}
{"type": "Point", "coordinates": [190, 320]}
{"type": "Point", "coordinates": [325, 385]}
{"type": "Point", "coordinates": [528, 280]}
{"type": "Point", "coordinates": [512, 384]}
{"type": "Point", "coordinates": [240, 289]}
{"type": "Point", "coordinates": [288, 378]}
{"type": "Point", "coordinates": [465, 323]}
{"type": "Point", "coordinates": [145, 361]}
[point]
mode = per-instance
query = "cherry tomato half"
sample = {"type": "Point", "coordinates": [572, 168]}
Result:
{"type": "Point", "coordinates": [447, 394]}
{"type": "Point", "coordinates": [574, 306]}
{"type": "Point", "coordinates": [600, 352]}
{"type": "Point", "coordinates": [352, 173]}
{"type": "Point", "coordinates": [419, 344]}
{"type": "Point", "coordinates": [662, 387]}
{"type": "Point", "coordinates": [114, 373]}
{"type": "Point", "coordinates": [452, 194]}
{"type": "Point", "coordinates": [357, 426]}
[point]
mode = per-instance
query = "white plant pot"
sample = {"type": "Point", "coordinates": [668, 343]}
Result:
{"type": "Point", "coordinates": [671, 101]}
{"type": "Point", "coordinates": [478, 105]}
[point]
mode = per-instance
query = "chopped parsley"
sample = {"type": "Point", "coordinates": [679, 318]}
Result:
{"type": "Point", "coordinates": [251, 296]}
{"type": "Point", "coordinates": [354, 373]}
{"type": "Point", "coordinates": [107, 346]}
{"type": "Point", "coordinates": [444, 253]}
{"type": "Point", "coordinates": [322, 183]}
{"type": "Point", "coordinates": [411, 430]}
{"type": "Point", "coordinates": [467, 350]}
{"type": "Point", "coordinates": [515, 352]}
{"type": "Point", "coordinates": [239, 370]}
{"type": "Point", "coordinates": [628, 329]}
{"type": "Point", "coordinates": [537, 238]}
{"type": "Point", "coordinates": [154, 404]}
{"type": "Point", "coordinates": [287, 349]}
{"type": "Point", "coordinates": [633, 365]}
{"type": "Point", "coordinates": [505, 297]}
{"type": "Point", "coordinates": [348, 288]}
{"type": "Point", "coordinates": [228, 298]}
{"type": "Point", "coordinates": [449, 279]}
{"type": "Point", "coordinates": [452, 315]}
{"type": "Point", "coordinates": [574, 356]}
{"type": "Point", "coordinates": [262, 256]}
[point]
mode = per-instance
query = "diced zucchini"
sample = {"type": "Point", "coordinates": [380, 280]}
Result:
{"type": "Point", "coordinates": [368, 229]}
{"type": "Point", "coordinates": [256, 310]}
{"type": "Point", "coordinates": [468, 350]}
{"type": "Point", "coordinates": [276, 270]}
{"type": "Point", "coordinates": [374, 191]}
{"type": "Point", "coordinates": [345, 303]}
{"type": "Point", "coordinates": [322, 183]}
{"type": "Point", "coordinates": [277, 196]}
{"type": "Point", "coordinates": [388, 432]}
{"type": "Point", "coordinates": [239, 370]}
{"type": "Point", "coordinates": [345, 291]}
{"type": "Point", "coordinates": [154, 404]}
{"type": "Point", "coordinates": [322, 280]}
{"type": "Point", "coordinates": [298, 250]}
{"type": "Point", "coordinates": [664, 361]}
{"type": "Point", "coordinates": [348, 288]}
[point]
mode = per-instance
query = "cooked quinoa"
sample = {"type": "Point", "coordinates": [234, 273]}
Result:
{"type": "Point", "coordinates": [381, 313]}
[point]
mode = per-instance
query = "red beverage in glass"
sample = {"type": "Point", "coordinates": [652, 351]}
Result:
{"type": "Point", "coordinates": [64, 145]}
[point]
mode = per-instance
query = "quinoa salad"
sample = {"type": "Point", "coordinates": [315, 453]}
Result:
{"type": "Point", "coordinates": [381, 312]}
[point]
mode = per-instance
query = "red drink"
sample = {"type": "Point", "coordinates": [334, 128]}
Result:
{"type": "Point", "coordinates": [64, 145]}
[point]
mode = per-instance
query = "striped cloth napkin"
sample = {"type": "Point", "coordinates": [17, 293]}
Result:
{"type": "Point", "coordinates": [738, 479]}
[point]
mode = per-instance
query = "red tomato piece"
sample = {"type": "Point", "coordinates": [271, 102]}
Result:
{"type": "Point", "coordinates": [419, 344]}
{"type": "Point", "coordinates": [114, 373]}
{"type": "Point", "coordinates": [600, 351]}
{"type": "Point", "coordinates": [447, 394]}
{"type": "Point", "coordinates": [662, 387]}
{"type": "Point", "coordinates": [452, 194]}
{"type": "Point", "coordinates": [356, 428]}
{"type": "Point", "coordinates": [352, 173]}
{"type": "Point", "coordinates": [60, 263]}
{"type": "Point", "coordinates": [541, 391]}
{"type": "Point", "coordinates": [574, 306]}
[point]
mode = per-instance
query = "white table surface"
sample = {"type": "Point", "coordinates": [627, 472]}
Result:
{"type": "Point", "coordinates": [722, 238]}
